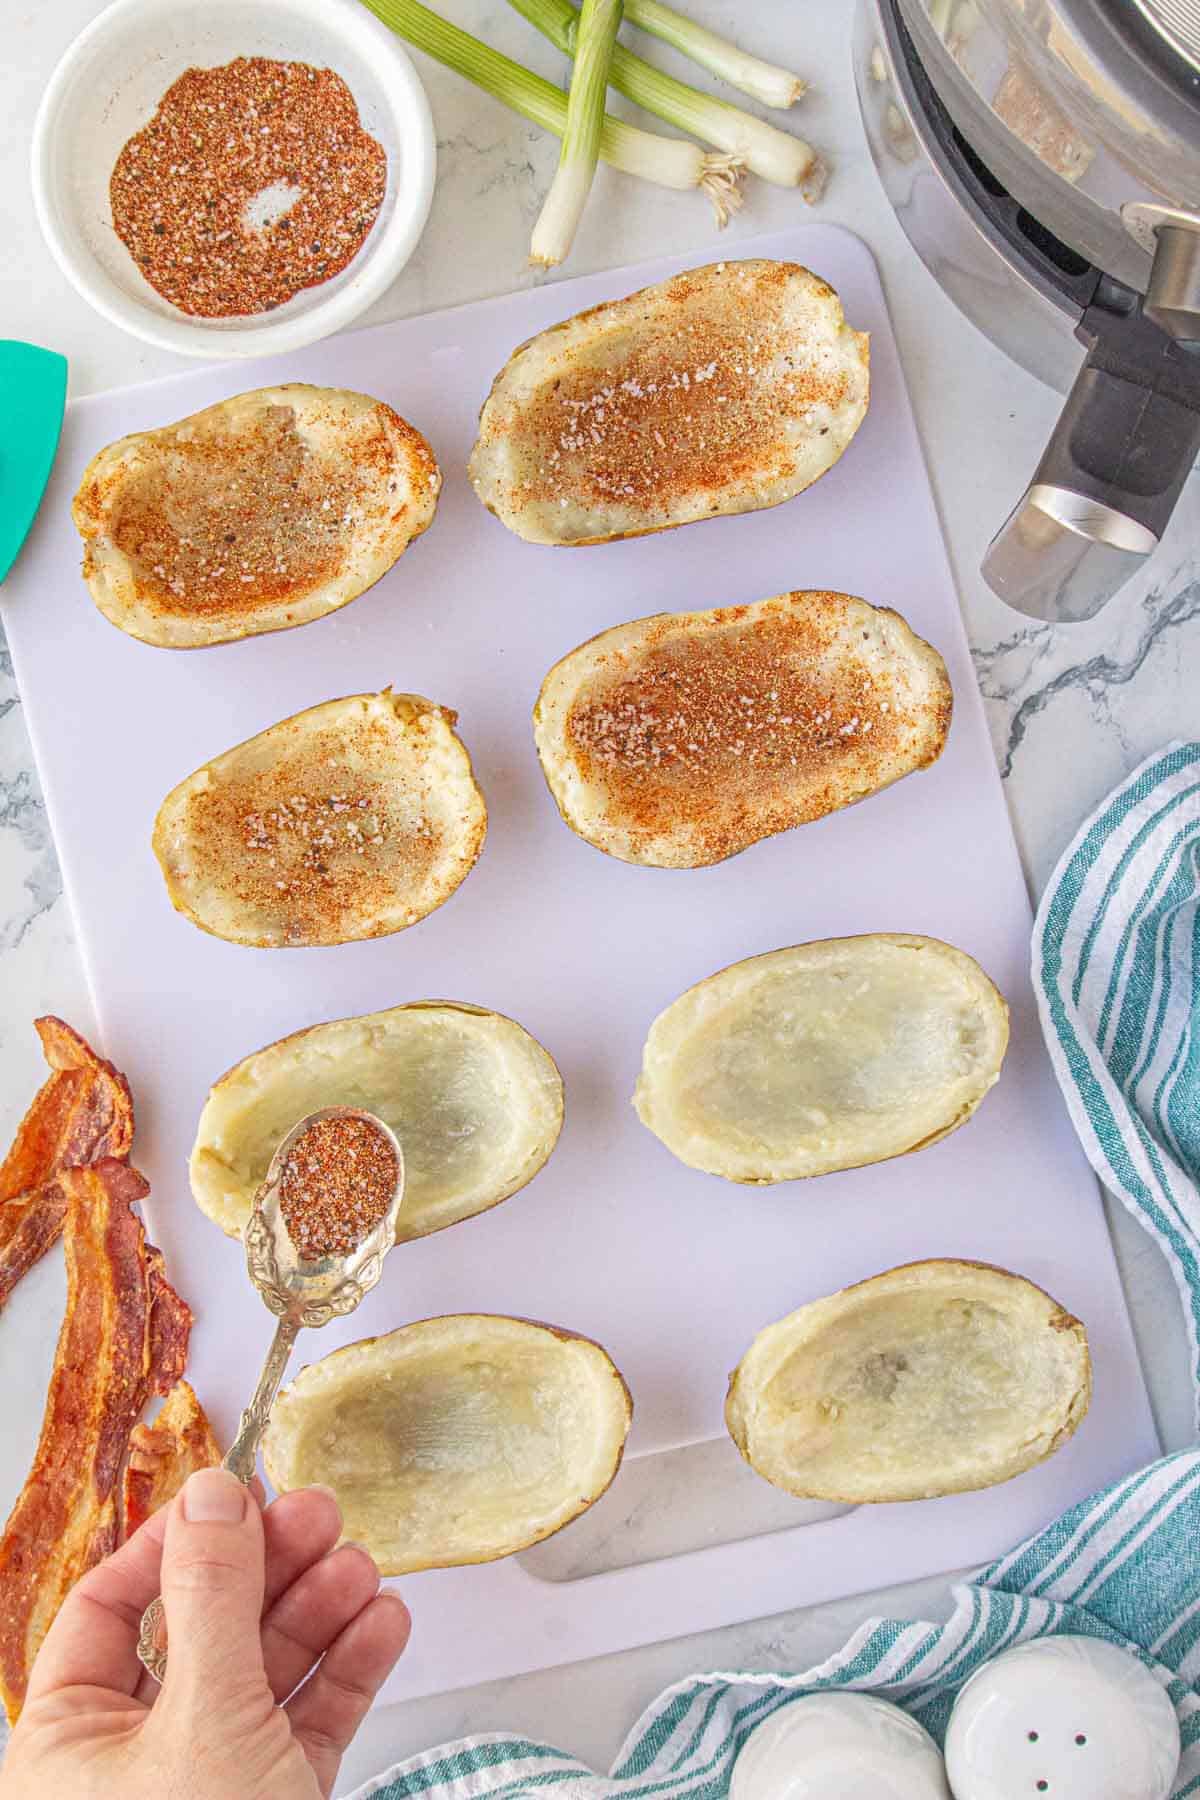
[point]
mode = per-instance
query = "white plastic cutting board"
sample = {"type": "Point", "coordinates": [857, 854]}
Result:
{"type": "Point", "coordinates": [672, 1270]}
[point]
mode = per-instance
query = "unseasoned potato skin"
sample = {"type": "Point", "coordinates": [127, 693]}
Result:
{"type": "Point", "coordinates": [434, 1112]}
{"type": "Point", "coordinates": [877, 979]}
{"type": "Point", "coordinates": [612, 1415]}
{"type": "Point", "coordinates": [1064, 1409]}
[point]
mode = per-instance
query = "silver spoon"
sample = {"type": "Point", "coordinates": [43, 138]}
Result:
{"type": "Point", "coordinates": [300, 1294]}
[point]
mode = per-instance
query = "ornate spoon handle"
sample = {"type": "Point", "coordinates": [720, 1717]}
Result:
{"type": "Point", "coordinates": [240, 1459]}
{"type": "Point", "coordinates": [242, 1456]}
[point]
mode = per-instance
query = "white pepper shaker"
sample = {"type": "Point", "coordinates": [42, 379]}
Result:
{"type": "Point", "coordinates": [853, 1746]}
{"type": "Point", "coordinates": [1073, 1718]}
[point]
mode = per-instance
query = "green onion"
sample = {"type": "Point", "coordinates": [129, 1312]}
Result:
{"type": "Point", "coordinates": [761, 80]}
{"type": "Point", "coordinates": [595, 35]}
{"type": "Point", "coordinates": [775, 155]}
{"type": "Point", "coordinates": [671, 162]}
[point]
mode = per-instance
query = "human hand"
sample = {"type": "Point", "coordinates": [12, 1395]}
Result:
{"type": "Point", "coordinates": [256, 1603]}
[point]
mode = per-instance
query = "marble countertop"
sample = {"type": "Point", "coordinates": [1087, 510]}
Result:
{"type": "Point", "coordinates": [1070, 709]}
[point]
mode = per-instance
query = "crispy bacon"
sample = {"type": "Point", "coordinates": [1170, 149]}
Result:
{"type": "Point", "coordinates": [81, 1114]}
{"type": "Point", "coordinates": [162, 1455]}
{"type": "Point", "coordinates": [170, 1326]}
{"type": "Point", "coordinates": [110, 1357]}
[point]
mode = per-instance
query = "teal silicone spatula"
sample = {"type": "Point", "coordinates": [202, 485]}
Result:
{"type": "Point", "coordinates": [33, 394]}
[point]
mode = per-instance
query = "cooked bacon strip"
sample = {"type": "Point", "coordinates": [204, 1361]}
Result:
{"type": "Point", "coordinates": [170, 1326]}
{"type": "Point", "coordinates": [82, 1114]}
{"type": "Point", "coordinates": [67, 1516]}
{"type": "Point", "coordinates": [162, 1455]}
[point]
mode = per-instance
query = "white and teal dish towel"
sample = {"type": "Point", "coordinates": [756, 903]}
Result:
{"type": "Point", "coordinates": [1123, 1565]}
{"type": "Point", "coordinates": [1116, 970]}
{"type": "Point", "coordinates": [1116, 965]}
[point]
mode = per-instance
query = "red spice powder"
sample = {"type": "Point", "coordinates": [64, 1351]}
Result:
{"type": "Point", "coordinates": [337, 1183]}
{"type": "Point", "coordinates": [251, 182]}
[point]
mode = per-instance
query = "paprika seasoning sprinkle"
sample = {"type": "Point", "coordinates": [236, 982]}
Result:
{"type": "Point", "coordinates": [251, 182]}
{"type": "Point", "coordinates": [337, 1183]}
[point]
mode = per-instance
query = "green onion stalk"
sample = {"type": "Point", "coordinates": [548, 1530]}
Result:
{"type": "Point", "coordinates": [670, 162]}
{"type": "Point", "coordinates": [763, 81]}
{"type": "Point", "coordinates": [558, 221]}
{"type": "Point", "coordinates": [776, 155]}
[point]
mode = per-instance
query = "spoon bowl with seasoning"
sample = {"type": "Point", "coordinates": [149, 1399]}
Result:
{"type": "Point", "coordinates": [323, 1221]}
{"type": "Point", "coordinates": [258, 246]}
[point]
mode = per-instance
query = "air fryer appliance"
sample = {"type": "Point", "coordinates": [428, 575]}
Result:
{"type": "Point", "coordinates": [1043, 157]}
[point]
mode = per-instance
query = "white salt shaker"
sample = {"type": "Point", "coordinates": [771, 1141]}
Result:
{"type": "Point", "coordinates": [849, 1745]}
{"type": "Point", "coordinates": [1073, 1718]}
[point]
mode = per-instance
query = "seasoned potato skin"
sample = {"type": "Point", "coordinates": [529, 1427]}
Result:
{"type": "Point", "coordinates": [724, 389]}
{"type": "Point", "coordinates": [682, 739]}
{"type": "Point", "coordinates": [260, 513]}
{"type": "Point", "coordinates": [219, 832]}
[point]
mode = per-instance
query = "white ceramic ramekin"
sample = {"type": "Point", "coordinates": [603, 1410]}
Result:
{"type": "Point", "coordinates": [108, 85]}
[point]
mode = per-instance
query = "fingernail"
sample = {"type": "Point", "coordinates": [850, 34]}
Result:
{"type": "Point", "coordinates": [319, 1487]}
{"type": "Point", "coordinates": [214, 1496]}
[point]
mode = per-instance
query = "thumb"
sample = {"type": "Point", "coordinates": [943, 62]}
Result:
{"type": "Point", "coordinates": [212, 1588]}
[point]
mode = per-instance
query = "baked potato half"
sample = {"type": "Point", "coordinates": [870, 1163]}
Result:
{"type": "Point", "coordinates": [679, 740]}
{"type": "Point", "coordinates": [351, 820]}
{"type": "Point", "coordinates": [725, 389]}
{"type": "Point", "coordinates": [264, 511]}
{"type": "Point", "coordinates": [475, 1101]}
{"type": "Point", "coordinates": [821, 1057]}
{"type": "Point", "coordinates": [933, 1378]}
{"type": "Point", "coordinates": [455, 1440]}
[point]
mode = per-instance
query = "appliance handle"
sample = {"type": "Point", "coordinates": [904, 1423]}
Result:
{"type": "Point", "coordinates": [1119, 455]}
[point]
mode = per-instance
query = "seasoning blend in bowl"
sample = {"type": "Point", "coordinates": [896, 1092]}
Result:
{"type": "Point", "coordinates": [251, 182]}
{"type": "Point", "coordinates": [233, 177]}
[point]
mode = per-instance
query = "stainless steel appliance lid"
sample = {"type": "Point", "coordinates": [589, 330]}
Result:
{"type": "Point", "coordinates": [1078, 106]}
{"type": "Point", "coordinates": [1179, 22]}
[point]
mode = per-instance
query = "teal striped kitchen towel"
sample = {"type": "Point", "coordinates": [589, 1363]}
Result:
{"type": "Point", "coordinates": [1116, 970]}
{"type": "Point", "coordinates": [1123, 1565]}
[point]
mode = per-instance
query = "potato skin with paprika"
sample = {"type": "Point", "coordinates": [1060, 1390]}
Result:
{"type": "Point", "coordinates": [265, 511]}
{"type": "Point", "coordinates": [679, 740]}
{"type": "Point", "coordinates": [722, 390]}
{"type": "Point", "coordinates": [352, 820]}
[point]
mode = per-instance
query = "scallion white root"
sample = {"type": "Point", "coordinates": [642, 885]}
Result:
{"type": "Point", "coordinates": [763, 81]}
{"type": "Point", "coordinates": [776, 155]}
{"type": "Point", "coordinates": [558, 221]}
{"type": "Point", "coordinates": [670, 162]}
